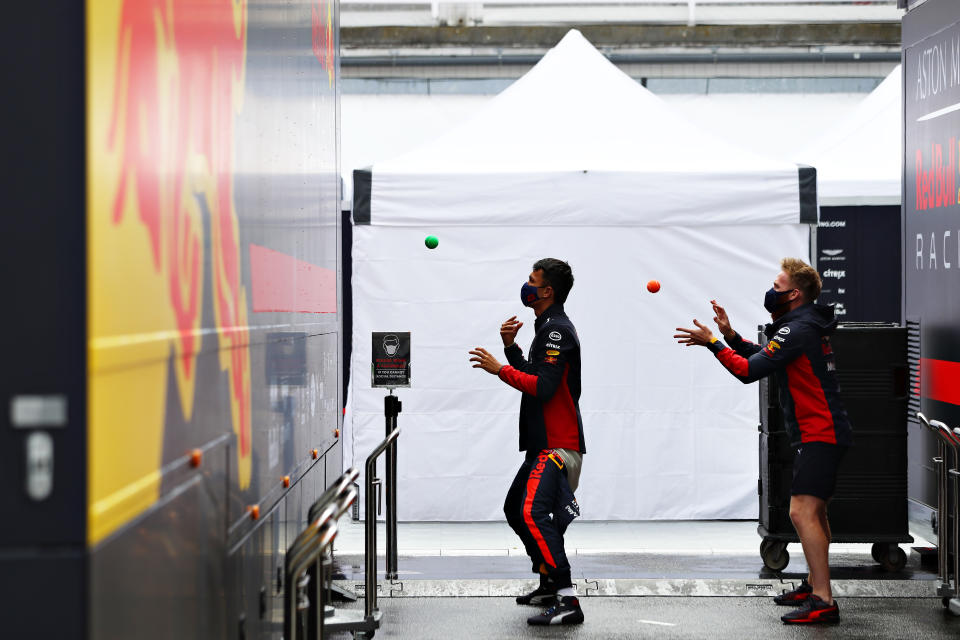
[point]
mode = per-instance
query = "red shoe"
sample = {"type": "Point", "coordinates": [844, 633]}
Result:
{"type": "Point", "coordinates": [814, 611]}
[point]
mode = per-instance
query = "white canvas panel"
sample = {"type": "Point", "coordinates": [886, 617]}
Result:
{"type": "Point", "coordinates": [669, 433]}
{"type": "Point", "coordinates": [587, 197]}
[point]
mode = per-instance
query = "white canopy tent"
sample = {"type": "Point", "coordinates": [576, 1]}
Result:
{"type": "Point", "coordinates": [858, 160]}
{"type": "Point", "coordinates": [577, 161]}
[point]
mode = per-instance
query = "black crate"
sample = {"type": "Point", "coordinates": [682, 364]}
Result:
{"type": "Point", "coordinates": [870, 504]}
{"type": "Point", "coordinates": [776, 473]}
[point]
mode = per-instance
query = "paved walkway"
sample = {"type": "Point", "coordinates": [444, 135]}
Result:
{"type": "Point", "coordinates": [656, 617]}
{"type": "Point", "coordinates": [636, 580]}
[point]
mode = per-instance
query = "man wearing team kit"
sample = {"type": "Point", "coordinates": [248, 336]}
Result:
{"type": "Point", "coordinates": [799, 354]}
{"type": "Point", "coordinates": [540, 503]}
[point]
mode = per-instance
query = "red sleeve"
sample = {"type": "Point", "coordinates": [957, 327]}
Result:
{"type": "Point", "coordinates": [518, 379]}
{"type": "Point", "coordinates": [735, 363]}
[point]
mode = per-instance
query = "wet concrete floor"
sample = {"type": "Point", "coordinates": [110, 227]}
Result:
{"type": "Point", "coordinates": [662, 617]}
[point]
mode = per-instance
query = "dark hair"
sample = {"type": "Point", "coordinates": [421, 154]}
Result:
{"type": "Point", "coordinates": [556, 274]}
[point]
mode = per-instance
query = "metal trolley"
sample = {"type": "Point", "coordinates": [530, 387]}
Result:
{"type": "Point", "coordinates": [947, 439]}
{"type": "Point", "coordinates": [870, 504]}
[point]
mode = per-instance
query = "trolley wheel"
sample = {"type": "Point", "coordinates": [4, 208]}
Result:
{"type": "Point", "coordinates": [894, 559]}
{"type": "Point", "coordinates": [774, 554]}
{"type": "Point", "coordinates": [764, 545]}
{"type": "Point", "coordinates": [877, 550]}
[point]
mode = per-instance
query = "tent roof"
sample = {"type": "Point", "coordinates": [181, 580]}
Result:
{"type": "Point", "coordinates": [576, 134]}
{"type": "Point", "coordinates": [858, 160]}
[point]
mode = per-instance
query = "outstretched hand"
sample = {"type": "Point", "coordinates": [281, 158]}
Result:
{"type": "Point", "coordinates": [483, 360]}
{"type": "Point", "coordinates": [723, 322]}
{"type": "Point", "coordinates": [701, 336]}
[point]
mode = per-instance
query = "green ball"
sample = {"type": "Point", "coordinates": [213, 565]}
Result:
{"type": "Point", "coordinates": [431, 242]}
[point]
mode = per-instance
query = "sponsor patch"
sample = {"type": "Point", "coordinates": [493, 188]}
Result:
{"type": "Point", "coordinates": [773, 346]}
{"type": "Point", "coordinates": [550, 360]}
{"type": "Point", "coordinates": [553, 352]}
{"type": "Point", "coordinates": [784, 331]}
{"type": "Point", "coordinates": [552, 346]}
{"type": "Point", "coordinates": [779, 339]}
{"type": "Point", "coordinates": [555, 336]}
{"type": "Point", "coordinates": [557, 460]}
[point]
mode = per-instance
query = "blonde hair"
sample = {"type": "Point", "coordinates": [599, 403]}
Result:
{"type": "Point", "coordinates": [803, 276]}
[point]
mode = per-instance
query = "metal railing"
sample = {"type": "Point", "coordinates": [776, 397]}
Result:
{"type": "Point", "coordinates": [319, 573]}
{"type": "Point", "coordinates": [947, 439]}
{"type": "Point", "coordinates": [370, 525]}
{"type": "Point", "coordinates": [364, 624]}
{"type": "Point", "coordinates": [306, 551]}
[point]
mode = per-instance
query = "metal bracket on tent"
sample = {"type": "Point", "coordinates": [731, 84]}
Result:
{"type": "Point", "coordinates": [790, 583]}
{"type": "Point", "coordinates": [394, 583]}
{"type": "Point", "coordinates": [587, 588]}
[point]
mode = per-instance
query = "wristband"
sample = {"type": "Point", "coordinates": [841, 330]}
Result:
{"type": "Point", "coordinates": [715, 345]}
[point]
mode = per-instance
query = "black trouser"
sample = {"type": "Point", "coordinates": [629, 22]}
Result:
{"type": "Point", "coordinates": [539, 507]}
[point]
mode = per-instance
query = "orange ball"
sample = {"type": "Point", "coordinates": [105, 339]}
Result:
{"type": "Point", "coordinates": [653, 286]}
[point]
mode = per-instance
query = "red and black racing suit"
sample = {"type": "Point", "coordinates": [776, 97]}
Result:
{"type": "Point", "coordinates": [800, 355]}
{"type": "Point", "coordinates": [540, 504]}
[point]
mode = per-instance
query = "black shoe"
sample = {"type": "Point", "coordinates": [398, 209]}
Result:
{"type": "Point", "coordinates": [796, 597]}
{"type": "Point", "coordinates": [566, 611]}
{"type": "Point", "coordinates": [542, 596]}
{"type": "Point", "coordinates": [813, 611]}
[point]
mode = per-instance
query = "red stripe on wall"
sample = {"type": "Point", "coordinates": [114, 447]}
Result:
{"type": "Point", "coordinates": [940, 380]}
{"type": "Point", "coordinates": [279, 282]}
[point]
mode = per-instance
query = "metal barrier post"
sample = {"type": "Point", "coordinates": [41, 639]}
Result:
{"type": "Point", "coordinates": [391, 410]}
{"type": "Point", "coordinates": [951, 439]}
{"type": "Point", "coordinates": [304, 555]}
{"type": "Point", "coordinates": [945, 588]}
{"type": "Point", "coordinates": [301, 553]}
{"type": "Point", "coordinates": [343, 486]}
{"type": "Point", "coordinates": [371, 525]}
{"type": "Point", "coordinates": [954, 603]}
{"type": "Point", "coordinates": [364, 624]}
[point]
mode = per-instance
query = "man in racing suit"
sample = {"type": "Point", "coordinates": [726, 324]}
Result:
{"type": "Point", "coordinates": [799, 354]}
{"type": "Point", "coordinates": [540, 503]}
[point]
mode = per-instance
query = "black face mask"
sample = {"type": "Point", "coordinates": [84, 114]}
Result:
{"type": "Point", "coordinates": [771, 298]}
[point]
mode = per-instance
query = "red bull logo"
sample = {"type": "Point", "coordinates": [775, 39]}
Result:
{"type": "Point", "coordinates": [180, 80]}
{"type": "Point", "coordinates": [166, 81]}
